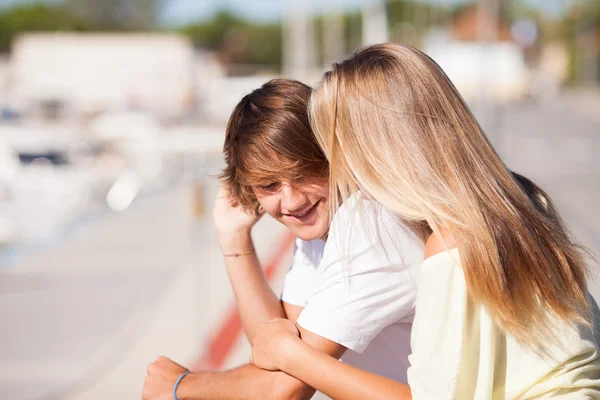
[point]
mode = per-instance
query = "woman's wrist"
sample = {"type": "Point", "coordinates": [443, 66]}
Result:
{"type": "Point", "coordinates": [291, 350]}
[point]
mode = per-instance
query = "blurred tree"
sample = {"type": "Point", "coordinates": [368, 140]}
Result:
{"type": "Point", "coordinates": [211, 34]}
{"type": "Point", "coordinates": [580, 31]}
{"type": "Point", "coordinates": [265, 43]}
{"type": "Point", "coordinates": [37, 17]}
{"type": "Point", "coordinates": [352, 36]}
{"type": "Point", "coordinates": [237, 41]}
{"type": "Point", "coordinates": [411, 20]}
{"type": "Point", "coordinates": [353, 31]}
{"type": "Point", "coordinates": [117, 14]}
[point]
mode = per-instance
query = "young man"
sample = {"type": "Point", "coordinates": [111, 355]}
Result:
{"type": "Point", "coordinates": [352, 286]}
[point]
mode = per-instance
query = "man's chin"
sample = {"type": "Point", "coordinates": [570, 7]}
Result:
{"type": "Point", "coordinates": [309, 233]}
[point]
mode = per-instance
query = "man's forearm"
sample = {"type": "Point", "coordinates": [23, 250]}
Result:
{"type": "Point", "coordinates": [244, 383]}
{"type": "Point", "coordinates": [255, 300]}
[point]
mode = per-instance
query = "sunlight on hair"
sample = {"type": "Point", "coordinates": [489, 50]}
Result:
{"type": "Point", "coordinates": [393, 126]}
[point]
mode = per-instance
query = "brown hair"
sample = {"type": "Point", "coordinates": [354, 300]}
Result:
{"type": "Point", "coordinates": [269, 140]}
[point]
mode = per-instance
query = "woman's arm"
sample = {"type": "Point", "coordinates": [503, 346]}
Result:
{"type": "Point", "coordinates": [338, 380]}
{"type": "Point", "coordinates": [277, 346]}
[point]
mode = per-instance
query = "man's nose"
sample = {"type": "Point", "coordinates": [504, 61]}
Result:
{"type": "Point", "coordinates": [292, 199]}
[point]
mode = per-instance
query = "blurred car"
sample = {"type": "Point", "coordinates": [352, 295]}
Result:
{"type": "Point", "coordinates": [52, 156]}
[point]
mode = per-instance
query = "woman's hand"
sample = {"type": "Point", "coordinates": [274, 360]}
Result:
{"type": "Point", "coordinates": [273, 343]}
{"type": "Point", "coordinates": [231, 221]}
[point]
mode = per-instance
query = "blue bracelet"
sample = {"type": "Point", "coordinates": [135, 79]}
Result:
{"type": "Point", "coordinates": [177, 382]}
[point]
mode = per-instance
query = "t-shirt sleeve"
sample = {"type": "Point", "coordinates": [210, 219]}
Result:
{"type": "Point", "coordinates": [366, 281]}
{"type": "Point", "coordinates": [300, 280]}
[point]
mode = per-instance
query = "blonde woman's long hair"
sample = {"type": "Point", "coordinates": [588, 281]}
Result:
{"type": "Point", "coordinates": [392, 125]}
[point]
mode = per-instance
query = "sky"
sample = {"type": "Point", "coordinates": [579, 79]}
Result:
{"type": "Point", "coordinates": [258, 10]}
{"type": "Point", "coordinates": [180, 12]}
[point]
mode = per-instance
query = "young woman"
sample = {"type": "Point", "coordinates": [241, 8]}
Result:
{"type": "Point", "coordinates": [502, 309]}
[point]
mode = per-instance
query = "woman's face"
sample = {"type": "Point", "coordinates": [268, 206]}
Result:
{"type": "Point", "coordinates": [302, 206]}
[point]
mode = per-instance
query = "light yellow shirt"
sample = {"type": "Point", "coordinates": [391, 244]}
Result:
{"type": "Point", "coordinates": [458, 352]}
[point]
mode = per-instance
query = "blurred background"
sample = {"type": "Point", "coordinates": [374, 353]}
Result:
{"type": "Point", "coordinates": [112, 117]}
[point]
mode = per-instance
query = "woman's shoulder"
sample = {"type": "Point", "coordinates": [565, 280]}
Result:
{"type": "Point", "coordinates": [436, 244]}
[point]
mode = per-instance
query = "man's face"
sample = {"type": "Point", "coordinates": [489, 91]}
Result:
{"type": "Point", "coordinates": [302, 206]}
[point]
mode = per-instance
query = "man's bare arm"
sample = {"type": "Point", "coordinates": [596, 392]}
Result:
{"type": "Point", "coordinates": [245, 382]}
{"type": "Point", "coordinates": [254, 298]}
{"type": "Point", "coordinates": [249, 382]}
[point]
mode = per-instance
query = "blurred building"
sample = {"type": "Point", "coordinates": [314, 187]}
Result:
{"type": "Point", "coordinates": [478, 52]}
{"type": "Point", "coordinates": [466, 25]}
{"type": "Point", "coordinates": [153, 72]}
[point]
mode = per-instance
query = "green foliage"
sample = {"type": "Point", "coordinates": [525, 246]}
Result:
{"type": "Point", "coordinates": [238, 41]}
{"type": "Point", "coordinates": [211, 34]}
{"type": "Point", "coordinates": [36, 18]}
{"type": "Point", "coordinates": [353, 31]}
{"type": "Point", "coordinates": [265, 45]}
{"type": "Point", "coordinates": [234, 39]}
{"type": "Point", "coordinates": [582, 20]}
{"type": "Point", "coordinates": [117, 15]}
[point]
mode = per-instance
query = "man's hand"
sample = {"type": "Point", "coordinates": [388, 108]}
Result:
{"type": "Point", "coordinates": [160, 379]}
{"type": "Point", "coordinates": [230, 219]}
{"type": "Point", "coordinates": [270, 345]}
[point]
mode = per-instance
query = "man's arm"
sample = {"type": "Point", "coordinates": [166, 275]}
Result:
{"type": "Point", "coordinates": [255, 300]}
{"type": "Point", "coordinates": [245, 382]}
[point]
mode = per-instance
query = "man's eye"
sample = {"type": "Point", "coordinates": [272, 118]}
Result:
{"type": "Point", "coordinates": [270, 186]}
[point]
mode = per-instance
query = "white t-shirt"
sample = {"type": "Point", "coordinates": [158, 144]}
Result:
{"type": "Point", "coordinates": [359, 289]}
{"type": "Point", "coordinates": [460, 353]}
